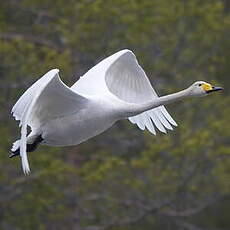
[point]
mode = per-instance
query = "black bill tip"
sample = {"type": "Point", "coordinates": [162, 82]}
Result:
{"type": "Point", "coordinates": [215, 88]}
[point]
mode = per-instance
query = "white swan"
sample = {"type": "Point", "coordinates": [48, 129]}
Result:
{"type": "Point", "coordinates": [116, 88]}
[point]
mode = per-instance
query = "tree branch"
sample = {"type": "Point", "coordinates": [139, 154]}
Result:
{"type": "Point", "coordinates": [31, 38]}
{"type": "Point", "coordinates": [191, 211]}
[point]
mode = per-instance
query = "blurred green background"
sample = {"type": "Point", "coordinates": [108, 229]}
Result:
{"type": "Point", "coordinates": [124, 179]}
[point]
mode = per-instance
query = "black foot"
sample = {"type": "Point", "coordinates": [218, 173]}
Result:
{"type": "Point", "coordinates": [14, 154]}
{"type": "Point", "coordinates": [29, 147]}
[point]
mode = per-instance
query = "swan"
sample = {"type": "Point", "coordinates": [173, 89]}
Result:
{"type": "Point", "coordinates": [116, 88]}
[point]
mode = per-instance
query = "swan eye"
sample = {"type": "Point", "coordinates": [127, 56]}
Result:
{"type": "Point", "coordinates": [200, 84]}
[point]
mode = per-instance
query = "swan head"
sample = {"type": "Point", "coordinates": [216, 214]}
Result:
{"type": "Point", "coordinates": [202, 88]}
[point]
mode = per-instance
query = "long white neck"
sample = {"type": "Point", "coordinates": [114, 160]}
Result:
{"type": "Point", "coordinates": [137, 109]}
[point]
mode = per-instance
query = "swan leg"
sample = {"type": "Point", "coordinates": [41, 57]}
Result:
{"type": "Point", "coordinates": [29, 147]}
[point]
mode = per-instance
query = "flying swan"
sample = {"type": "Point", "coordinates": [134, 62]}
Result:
{"type": "Point", "coordinates": [116, 88]}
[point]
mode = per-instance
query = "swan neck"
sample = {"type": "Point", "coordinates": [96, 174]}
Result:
{"type": "Point", "coordinates": [164, 100]}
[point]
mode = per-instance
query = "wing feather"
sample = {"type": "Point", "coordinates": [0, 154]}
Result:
{"type": "Point", "coordinates": [150, 126]}
{"type": "Point", "coordinates": [121, 75]}
{"type": "Point", "coordinates": [163, 120]}
{"type": "Point", "coordinates": [48, 98]}
{"type": "Point", "coordinates": [133, 80]}
{"type": "Point", "coordinates": [167, 115]}
{"type": "Point", "coordinates": [156, 121]}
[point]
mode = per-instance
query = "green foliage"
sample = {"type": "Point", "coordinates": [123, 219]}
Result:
{"type": "Point", "coordinates": [122, 179]}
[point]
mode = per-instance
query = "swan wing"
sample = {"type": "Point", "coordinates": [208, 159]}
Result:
{"type": "Point", "coordinates": [121, 75]}
{"type": "Point", "coordinates": [46, 99]}
{"type": "Point", "coordinates": [93, 81]}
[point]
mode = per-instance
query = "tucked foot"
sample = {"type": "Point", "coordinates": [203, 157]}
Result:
{"type": "Point", "coordinates": [14, 154]}
{"type": "Point", "coordinates": [29, 147]}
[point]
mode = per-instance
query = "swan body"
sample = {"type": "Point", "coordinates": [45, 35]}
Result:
{"type": "Point", "coordinates": [75, 128]}
{"type": "Point", "coordinates": [116, 88]}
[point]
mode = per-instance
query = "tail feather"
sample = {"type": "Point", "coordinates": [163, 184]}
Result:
{"type": "Point", "coordinates": [15, 146]}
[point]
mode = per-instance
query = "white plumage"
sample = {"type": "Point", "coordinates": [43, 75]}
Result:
{"type": "Point", "coordinates": [122, 76]}
{"type": "Point", "coordinates": [116, 88]}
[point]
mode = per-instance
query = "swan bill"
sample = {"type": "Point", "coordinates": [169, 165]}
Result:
{"type": "Point", "coordinates": [214, 88]}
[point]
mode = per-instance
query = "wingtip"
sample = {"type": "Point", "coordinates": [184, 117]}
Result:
{"type": "Point", "coordinates": [24, 158]}
{"type": "Point", "coordinates": [154, 133]}
{"type": "Point", "coordinates": [25, 168]}
{"type": "Point", "coordinates": [54, 71]}
{"type": "Point", "coordinates": [26, 172]}
{"type": "Point", "coordinates": [126, 50]}
{"type": "Point", "coordinates": [174, 123]}
{"type": "Point", "coordinates": [171, 128]}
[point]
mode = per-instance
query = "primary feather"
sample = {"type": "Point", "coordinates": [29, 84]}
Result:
{"type": "Point", "coordinates": [47, 99]}
{"type": "Point", "coordinates": [68, 116]}
{"type": "Point", "coordinates": [121, 75]}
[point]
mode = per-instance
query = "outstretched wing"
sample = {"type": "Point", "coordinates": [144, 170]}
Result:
{"type": "Point", "coordinates": [46, 99]}
{"type": "Point", "coordinates": [121, 75]}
